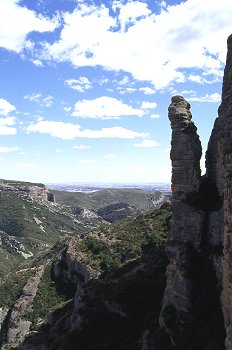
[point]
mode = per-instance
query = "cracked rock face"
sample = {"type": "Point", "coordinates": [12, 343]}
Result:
{"type": "Point", "coordinates": [18, 327]}
{"type": "Point", "coordinates": [201, 232]}
{"type": "Point", "coordinates": [186, 148]}
{"type": "Point", "coordinates": [187, 222]}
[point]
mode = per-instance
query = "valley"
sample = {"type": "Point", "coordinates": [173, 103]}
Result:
{"type": "Point", "coordinates": [54, 251]}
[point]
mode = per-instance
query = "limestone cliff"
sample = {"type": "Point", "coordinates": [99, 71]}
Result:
{"type": "Point", "coordinates": [199, 247]}
{"type": "Point", "coordinates": [187, 222]}
{"type": "Point", "coordinates": [26, 190]}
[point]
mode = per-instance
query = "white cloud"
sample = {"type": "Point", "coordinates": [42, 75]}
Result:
{"type": "Point", "coordinates": [7, 130]}
{"type": "Point", "coordinates": [126, 90]}
{"type": "Point", "coordinates": [82, 84]}
{"type": "Point", "coordinates": [69, 131]}
{"type": "Point", "coordinates": [201, 80]}
{"type": "Point", "coordinates": [104, 108]}
{"type": "Point", "coordinates": [160, 57]}
{"type": "Point", "coordinates": [6, 107]}
{"type": "Point", "coordinates": [34, 97]}
{"type": "Point", "coordinates": [59, 150]}
{"type": "Point", "coordinates": [216, 97]}
{"type": "Point", "coordinates": [110, 156]}
{"type": "Point", "coordinates": [147, 90]}
{"type": "Point", "coordinates": [149, 105]}
{"type": "Point", "coordinates": [17, 22]}
{"type": "Point", "coordinates": [81, 147]}
{"type": "Point", "coordinates": [67, 109]}
{"type": "Point", "coordinates": [186, 92]}
{"type": "Point", "coordinates": [6, 126]}
{"type": "Point", "coordinates": [38, 63]}
{"type": "Point", "coordinates": [4, 149]}
{"type": "Point", "coordinates": [147, 143]}
{"type": "Point", "coordinates": [9, 121]}
{"type": "Point", "coordinates": [42, 101]}
{"type": "Point", "coordinates": [131, 11]}
{"type": "Point", "coordinates": [124, 81]}
{"type": "Point", "coordinates": [155, 116]}
{"type": "Point", "coordinates": [163, 4]}
{"type": "Point", "coordinates": [47, 101]}
{"type": "Point", "coordinates": [102, 81]}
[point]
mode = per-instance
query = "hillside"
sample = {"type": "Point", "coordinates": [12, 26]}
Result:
{"type": "Point", "coordinates": [141, 199]}
{"type": "Point", "coordinates": [30, 221]}
{"type": "Point", "coordinates": [118, 274]}
{"type": "Point", "coordinates": [32, 218]}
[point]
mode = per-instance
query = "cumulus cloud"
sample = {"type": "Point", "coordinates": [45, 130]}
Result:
{"type": "Point", "coordinates": [4, 149]}
{"type": "Point", "coordinates": [104, 108]}
{"type": "Point", "coordinates": [82, 84]}
{"type": "Point", "coordinates": [9, 121]}
{"type": "Point", "coordinates": [69, 131]}
{"type": "Point", "coordinates": [17, 22]}
{"type": "Point", "coordinates": [162, 57]}
{"type": "Point", "coordinates": [6, 107]}
{"type": "Point", "coordinates": [42, 101]}
{"type": "Point", "coordinates": [216, 97]}
{"type": "Point", "coordinates": [147, 144]}
{"type": "Point", "coordinates": [130, 12]}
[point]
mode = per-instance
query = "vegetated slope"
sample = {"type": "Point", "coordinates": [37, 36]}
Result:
{"type": "Point", "coordinates": [131, 200]}
{"type": "Point", "coordinates": [119, 274]}
{"type": "Point", "coordinates": [139, 198]}
{"type": "Point", "coordinates": [29, 222]}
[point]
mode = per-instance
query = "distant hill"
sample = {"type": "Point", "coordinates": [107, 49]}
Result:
{"type": "Point", "coordinates": [142, 200]}
{"type": "Point", "coordinates": [30, 221]}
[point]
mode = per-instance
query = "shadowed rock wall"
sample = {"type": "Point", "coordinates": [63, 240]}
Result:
{"type": "Point", "coordinates": [200, 244]}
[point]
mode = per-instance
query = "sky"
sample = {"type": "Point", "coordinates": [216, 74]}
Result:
{"type": "Point", "coordinates": [85, 85]}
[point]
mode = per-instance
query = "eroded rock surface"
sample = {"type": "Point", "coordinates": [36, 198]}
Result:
{"type": "Point", "coordinates": [200, 244]}
{"type": "Point", "coordinates": [187, 223]}
{"type": "Point", "coordinates": [17, 326]}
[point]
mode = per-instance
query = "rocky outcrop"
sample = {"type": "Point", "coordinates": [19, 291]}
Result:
{"type": "Point", "coordinates": [33, 192]}
{"type": "Point", "coordinates": [17, 326]}
{"type": "Point", "coordinates": [187, 223]}
{"type": "Point", "coordinates": [73, 266]}
{"type": "Point", "coordinates": [201, 232]}
{"type": "Point", "coordinates": [221, 142]}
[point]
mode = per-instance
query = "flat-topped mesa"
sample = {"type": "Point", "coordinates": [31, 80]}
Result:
{"type": "Point", "coordinates": [186, 149]}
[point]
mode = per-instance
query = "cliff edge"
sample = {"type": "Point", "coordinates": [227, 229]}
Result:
{"type": "Point", "coordinates": [199, 247]}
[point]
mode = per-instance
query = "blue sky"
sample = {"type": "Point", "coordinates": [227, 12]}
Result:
{"type": "Point", "coordinates": [85, 85]}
